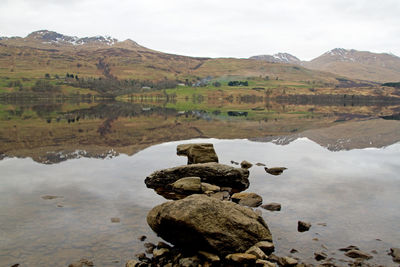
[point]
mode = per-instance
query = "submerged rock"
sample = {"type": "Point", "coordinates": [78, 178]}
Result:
{"type": "Point", "coordinates": [212, 173]}
{"type": "Point", "coordinates": [197, 153]}
{"type": "Point", "coordinates": [358, 254]}
{"type": "Point", "coordinates": [247, 199]}
{"type": "Point", "coordinates": [275, 170]}
{"type": "Point", "coordinates": [203, 223]}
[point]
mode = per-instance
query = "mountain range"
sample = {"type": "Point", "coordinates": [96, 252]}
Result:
{"type": "Point", "coordinates": [363, 65]}
{"type": "Point", "coordinates": [54, 53]}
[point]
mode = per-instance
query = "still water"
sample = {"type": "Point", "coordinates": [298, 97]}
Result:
{"type": "Point", "coordinates": [61, 183]}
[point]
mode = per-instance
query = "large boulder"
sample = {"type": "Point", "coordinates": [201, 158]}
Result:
{"type": "Point", "coordinates": [204, 223]}
{"type": "Point", "coordinates": [212, 173]}
{"type": "Point", "coordinates": [197, 153]}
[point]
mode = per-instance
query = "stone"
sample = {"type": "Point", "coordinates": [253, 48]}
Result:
{"type": "Point", "coordinates": [140, 256]}
{"type": "Point", "coordinates": [303, 226]}
{"type": "Point", "coordinates": [115, 220]}
{"type": "Point", "coordinates": [142, 238]}
{"type": "Point", "coordinates": [272, 206]}
{"type": "Point", "coordinates": [245, 164]}
{"type": "Point", "coordinates": [275, 170]}
{"type": "Point", "coordinates": [395, 253]}
{"type": "Point", "coordinates": [247, 199]}
{"type": "Point", "coordinates": [234, 162]}
{"type": "Point", "coordinates": [266, 246]}
{"type": "Point", "coordinates": [209, 256]}
{"type": "Point", "coordinates": [212, 173]}
{"type": "Point", "coordinates": [49, 197]}
{"type": "Point", "coordinates": [358, 254]}
{"type": "Point", "coordinates": [197, 153]}
{"type": "Point", "coordinates": [318, 256]}
{"type": "Point", "coordinates": [256, 251]}
{"type": "Point", "coordinates": [189, 262]}
{"type": "Point", "coordinates": [149, 247]}
{"type": "Point", "coordinates": [132, 263]}
{"type": "Point", "coordinates": [160, 252]}
{"type": "Point", "coordinates": [81, 263]}
{"type": "Point", "coordinates": [264, 263]}
{"type": "Point", "coordinates": [293, 250]}
{"type": "Point", "coordinates": [260, 164]}
{"type": "Point", "coordinates": [206, 187]}
{"type": "Point", "coordinates": [287, 261]}
{"type": "Point", "coordinates": [187, 185]}
{"type": "Point", "coordinates": [200, 222]}
{"type": "Point", "coordinates": [163, 245]}
{"type": "Point", "coordinates": [223, 195]}
{"type": "Point", "coordinates": [242, 258]}
{"type": "Point", "coordinates": [351, 247]}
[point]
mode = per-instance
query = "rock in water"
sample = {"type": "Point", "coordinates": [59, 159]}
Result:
{"type": "Point", "coordinates": [303, 226]}
{"type": "Point", "coordinates": [187, 184]}
{"type": "Point", "coordinates": [245, 164]}
{"type": "Point", "coordinates": [204, 223]}
{"type": "Point", "coordinates": [272, 206]}
{"type": "Point", "coordinates": [197, 153]}
{"type": "Point", "coordinates": [212, 173]}
{"type": "Point", "coordinates": [395, 253]}
{"type": "Point", "coordinates": [247, 199]}
{"type": "Point", "coordinates": [358, 254]}
{"type": "Point", "coordinates": [275, 170]}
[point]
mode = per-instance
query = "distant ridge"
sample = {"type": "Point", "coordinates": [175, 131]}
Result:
{"type": "Point", "coordinates": [363, 65]}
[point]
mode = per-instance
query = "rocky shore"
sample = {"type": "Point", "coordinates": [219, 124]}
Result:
{"type": "Point", "coordinates": [209, 221]}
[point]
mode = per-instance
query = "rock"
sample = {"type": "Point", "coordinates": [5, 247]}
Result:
{"type": "Point", "coordinates": [49, 197]}
{"type": "Point", "coordinates": [149, 247]}
{"type": "Point", "coordinates": [203, 223]}
{"type": "Point", "coordinates": [272, 206]}
{"type": "Point", "coordinates": [264, 263]}
{"type": "Point", "coordinates": [256, 251]}
{"type": "Point", "coordinates": [189, 262]}
{"type": "Point", "coordinates": [160, 252]}
{"type": "Point", "coordinates": [349, 248]}
{"type": "Point", "coordinates": [395, 253]}
{"type": "Point", "coordinates": [266, 247]}
{"type": "Point", "coordinates": [293, 250]}
{"type": "Point", "coordinates": [81, 263]}
{"type": "Point", "coordinates": [242, 258]}
{"type": "Point", "coordinates": [187, 185]}
{"type": "Point", "coordinates": [140, 256]}
{"type": "Point", "coordinates": [287, 261]}
{"type": "Point", "coordinates": [197, 153]}
{"type": "Point", "coordinates": [275, 170]}
{"type": "Point", "coordinates": [322, 224]}
{"type": "Point", "coordinates": [209, 256]}
{"type": "Point", "coordinates": [132, 263]}
{"type": "Point", "coordinates": [115, 220]}
{"type": "Point", "coordinates": [212, 173]}
{"type": "Point", "coordinates": [245, 164]}
{"type": "Point", "coordinates": [223, 195]}
{"type": "Point", "coordinates": [358, 254]}
{"type": "Point", "coordinates": [142, 238]}
{"type": "Point", "coordinates": [234, 162]}
{"type": "Point", "coordinates": [320, 256]}
{"type": "Point", "coordinates": [260, 164]}
{"type": "Point", "coordinates": [210, 187]}
{"type": "Point", "coordinates": [247, 199]}
{"type": "Point", "coordinates": [303, 226]}
{"type": "Point", "coordinates": [163, 245]}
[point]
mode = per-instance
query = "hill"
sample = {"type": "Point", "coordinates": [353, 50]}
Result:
{"type": "Point", "coordinates": [362, 65]}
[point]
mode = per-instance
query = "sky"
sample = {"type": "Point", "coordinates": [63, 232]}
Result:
{"type": "Point", "coordinates": [217, 28]}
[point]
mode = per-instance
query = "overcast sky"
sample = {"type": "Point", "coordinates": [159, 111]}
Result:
{"type": "Point", "coordinates": [217, 28]}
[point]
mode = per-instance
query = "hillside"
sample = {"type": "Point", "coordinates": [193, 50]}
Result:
{"type": "Point", "coordinates": [50, 52]}
{"type": "Point", "coordinates": [362, 65]}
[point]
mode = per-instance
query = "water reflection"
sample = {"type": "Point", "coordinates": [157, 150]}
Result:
{"type": "Point", "coordinates": [54, 132]}
{"type": "Point", "coordinates": [354, 192]}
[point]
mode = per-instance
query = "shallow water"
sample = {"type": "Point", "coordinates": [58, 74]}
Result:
{"type": "Point", "coordinates": [354, 192]}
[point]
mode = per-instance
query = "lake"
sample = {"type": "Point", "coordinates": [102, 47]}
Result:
{"type": "Point", "coordinates": [72, 174]}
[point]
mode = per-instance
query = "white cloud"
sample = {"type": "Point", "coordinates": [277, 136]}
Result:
{"type": "Point", "coordinates": [305, 28]}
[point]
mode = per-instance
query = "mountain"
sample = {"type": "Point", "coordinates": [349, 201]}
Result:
{"type": "Point", "coordinates": [278, 58]}
{"type": "Point", "coordinates": [362, 65]}
{"type": "Point", "coordinates": [56, 54]}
